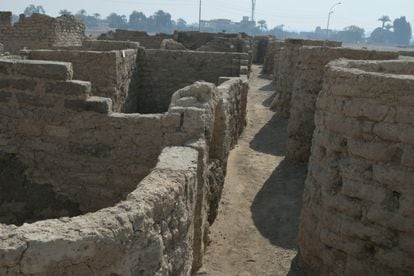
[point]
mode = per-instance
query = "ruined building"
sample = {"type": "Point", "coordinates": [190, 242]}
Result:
{"type": "Point", "coordinates": [353, 121]}
{"type": "Point", "coordinates": [287, 61]}
{"type": "Point", "coordinates": [196, 41]}
{"type": "Point", "coordinates": [40, 32]}
{"type": "Point", "coordinates": [358, 214]}
{"type": "Point", "coordinates": [311, 62]}
{"type": "Point", "coordinates": [113, 156]}
{"type": "Point", "coordinates": [113, 152]}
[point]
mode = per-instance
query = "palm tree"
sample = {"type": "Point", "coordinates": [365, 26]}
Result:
{"type": "Point", "coordinates": [65, 12]}
{"type": "Point", "coordinates": [81, 15]}
{"type": "Point", "coordinates": [97, 16]}
{"type": "Point", "coordinates": [384, 19]}
{"type": "Point", "coordinates": [388, 27]}
{"type": "Point", "coordinates": [82, 12]}
{"type": "Point", "coordinates": [31, 9]}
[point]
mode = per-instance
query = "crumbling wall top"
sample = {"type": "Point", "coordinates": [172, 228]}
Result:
{"type": "Point", "coordinates": [145, 40]}
{"type": "Point", "coordinates": [37, 69]}
{"type": "Point", "coordinates": [103, 240]}
{"type": "Point", "coordinates": [41, 31]}
{"type": "Point", "coordinates": [393, 67]}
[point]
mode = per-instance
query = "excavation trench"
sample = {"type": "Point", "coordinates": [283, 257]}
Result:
{"type": "Point", "coordinates": [257, 224]}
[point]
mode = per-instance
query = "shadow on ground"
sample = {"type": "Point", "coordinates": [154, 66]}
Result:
{"type": "Point", "coordinates": [296, 268]}
{"type": "Point", "coordinates": [268, 88]}
{"type": "Point", "coordinates": [264, 76]}
{"type": "Point", "coordinates": [276, 208]}
{"type": "Point", "coordinates": [269, 100]}
{"type": "Point", "coordinates": [272, 93]}
{"type": "Point", "coordinates": [272, 138]}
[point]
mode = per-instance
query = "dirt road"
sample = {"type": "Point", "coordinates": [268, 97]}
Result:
{"type": "Point", "coordinates": [257, 224]}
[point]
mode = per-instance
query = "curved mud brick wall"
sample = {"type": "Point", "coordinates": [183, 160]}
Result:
{"type": "Point", "coordinates": [149, 233]}
{"type": "Point", "coordinates": [357, 215]}
{"type": "Point", "coordinates": [40, 31]}
{"type": "Point", "coordinates": [65, 153]}
{"type": "Point", "coordinates": [286, 72]}
{"type": "Point", "coordinates": [309, 81]}
{"type": "Point", "coordinates": [273, 49]}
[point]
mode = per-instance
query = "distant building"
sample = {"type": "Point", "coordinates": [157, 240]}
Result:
{"type": "Point", "coordinates": [226, 25]}
{"type": "Point", "coordinates": [217, 24]}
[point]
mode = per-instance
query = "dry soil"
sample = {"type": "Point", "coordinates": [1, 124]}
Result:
{"type": "Point", "coordinates": [256, 228]}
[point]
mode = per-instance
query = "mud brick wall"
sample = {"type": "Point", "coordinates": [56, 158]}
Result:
{"type": "Point", "coordinates": [144, 39]}
{"type": "Point", "coordinates": [193, 40]}
{"type": "Point", "coordinates": [234, 94]}
{"type": "Point", "coordinates": [106, 45]}
{"type": "Point", "coordinates": [230, 117]}
{"type": "Point", "coordinates": [150, 233]}
{"type": "Point", "coordinates": [406, 53]}
{"type": "Point", "coordinates": [273, 50]}
{"type": "Point", "coordinates": [260, 46]}
{"type": "Point", "coordinates": [196, 41]}
{"type": "Point", "coordinates": [357, 216]}
{"type": "Point", "coordinates": [286, 72]}
{"type": "Point", "coordinates": [25, 201]}
{"type": "Point", "coordinates": [100, 46]}
{"type": "Point", "coordinates": [67, 152]}
{"type": "Point", "coordinates": [277, 56]}
{"type": "Point", "coordinates": [217, 114]}
{"type": "Point", "coordinates": [227, 44]}
{"type": "Point", "coordinates": [110, 72]}
{"type": "Point", "coordinates": [40, 32]}
{"type": "Point", "coordinates": [311, 62]}
{"type": "Point", "coordinates": [217, 42]}
{"type": "Point", "coordinates": [5, 19]}
{"type": "Point", "coordinates": [162, 72]}
{"type": "Point", "coordinates": [88, 157]}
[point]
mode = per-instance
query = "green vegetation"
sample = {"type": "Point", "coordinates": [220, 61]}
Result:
{"type": "Point", "coordinates": [31, 9]}
{"type": "Point", "coordinates": [397, 32]}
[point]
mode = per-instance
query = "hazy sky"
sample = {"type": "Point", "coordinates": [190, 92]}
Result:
{"type": "Point", "coordinates": [294, 14]}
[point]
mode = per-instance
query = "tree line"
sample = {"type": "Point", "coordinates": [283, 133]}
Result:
{"type": "Point", "coordinates": [399, 32]}
{"type": "Point", "coordinates": [396, 32]}
{"type": "Point", "coordinates": [160, 21]}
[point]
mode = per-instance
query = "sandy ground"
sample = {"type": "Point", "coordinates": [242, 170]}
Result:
{"type": "Point", "coordinates": [256, 228]}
